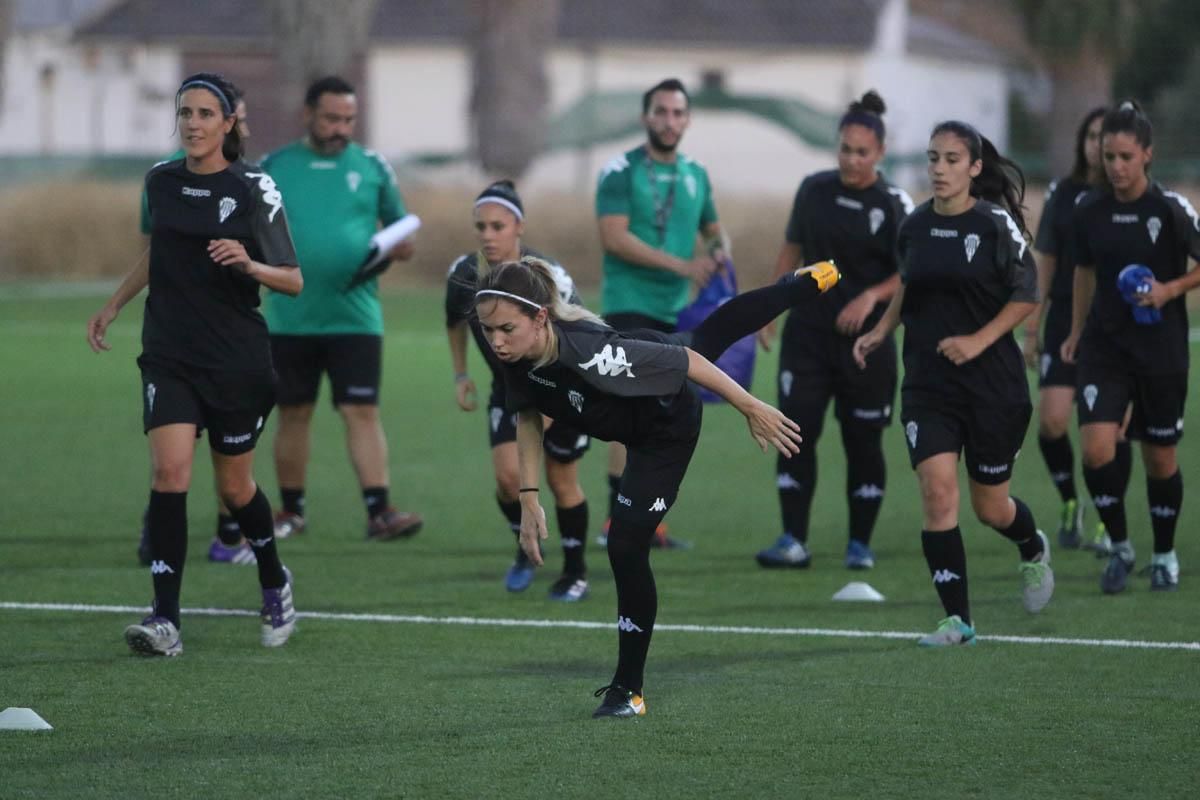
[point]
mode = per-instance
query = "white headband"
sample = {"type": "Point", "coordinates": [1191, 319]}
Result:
{"type": "Point", "coordinates": [510, 296]}
{"type": "Point", "coordinates": [500, 201]}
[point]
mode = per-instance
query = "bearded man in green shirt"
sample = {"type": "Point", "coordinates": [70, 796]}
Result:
{"type": "Point", "coordinates": [336, 195]}
{"type": "Point", "coordinates": [654, 205]}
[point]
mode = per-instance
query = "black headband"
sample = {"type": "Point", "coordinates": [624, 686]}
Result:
{"type": "Point", "coordinates": [200, 83]}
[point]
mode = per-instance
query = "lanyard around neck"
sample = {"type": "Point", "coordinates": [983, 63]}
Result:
{"type": "Point", "coordinates": [662, 207]}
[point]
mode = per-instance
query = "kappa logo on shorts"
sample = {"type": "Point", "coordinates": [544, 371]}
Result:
{"type": "Point", "coordinates": [785, 382]}
{"type": "Point", "coordinates": [226, 207]}
{"type": "Point", "coordinates": [576, 400]}
{"type": "Point", "coordinates": [353, 180]}
{"type": "Point", "coordinates": [497, 416]}
{"type": "Point", "coordinates": [659, 504]}
{"type": "Point", "coordinates": [910, 430]}
{"type": "Point", "coordinates": [606, 363]}
{"type": "Point", "coordinates": [160, 568]}
{"type": "Point", "coordinates": [623, 500]}
{"type": "Point", "coordinates": [1154, 227]}
{"type": "Point", "coordinates": [151, 390]}
{"type": "Point", "coordinates": [627, 625]}
{"type": "Point", "coordinates": [993, 469]}
{"type": "Point", "coordinates": [1047, 359]}
{"type": "Point", "coordinates": [875, 217]}
{"type": "Point", "coordinates": [1090, 393]}
{"type": "Point", "coordinates": [971, 244]}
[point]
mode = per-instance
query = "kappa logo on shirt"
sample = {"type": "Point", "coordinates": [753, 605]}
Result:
{"type": "Point", "coordinates": [576, 400]}
{"type": "Point", "coordinates": [270, 193]}
{"type": "Point", "coordinates": [225, 208]}
{"type": "Point", "coordinates": [875, 217]}
{"type": "Point", "coordinates": [971, 245]}
{"type": "Point", "coordinates": [1090, 393]}
{"type": "Point", "coordinates": [848, 202]}
{"type": "Point", "coordinates": [188, 191]}
{"type": "Point", "coordinates": [609, 364]}
{"type": "Point", "coordinates": [1154, 227]}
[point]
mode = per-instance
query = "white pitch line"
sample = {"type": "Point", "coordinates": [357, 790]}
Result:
{"type": "Point", "coordinates": [500, 622]}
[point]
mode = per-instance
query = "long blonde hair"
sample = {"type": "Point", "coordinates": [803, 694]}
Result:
{"type": "Point", "coordinates": [533, 279]}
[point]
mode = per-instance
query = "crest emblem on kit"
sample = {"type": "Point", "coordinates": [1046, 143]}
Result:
{"type": "Point", "coordinates": [225, 208]}
{"type": "Point", "coordinates": [576, 400]}
{"type": "Point", "coordinates": [689, 183]}
{"type": "Point", "coordinates": [1090, 393]}
{"type": "Point", "coordinates": [910, 430]}
{"type": "Point", "coordinates": [151, 390]}
{"type": "Point", "coordinates": [876, 217]}
{"type": "Point", "coordinates": [353, 180]}
{"type": "Point", "coordinates": [785, 382]}
{"type": "Point", "coordinates": [971, 243]}
{"type": "Point", "coordinates": [1046, 360]}
{"type": "Point", "coordinates": [1154, 226]}
{"type": "Point", "coordinates": [497, 415]}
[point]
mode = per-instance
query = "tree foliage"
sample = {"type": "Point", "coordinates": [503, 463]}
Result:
{"type": "Point", "coordinates": [314, 38]}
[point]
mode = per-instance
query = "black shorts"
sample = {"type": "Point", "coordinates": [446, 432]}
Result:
{"type": "Point", "coordinates": [1052, 370]}
{"type": "Point", "coordinates": [816, 365]}
{"type": "Point", "coordinates": [626, 321]}
{"type": "Point", "coordinates": [562, 443]}
{"type": "Point", "coordinates": [650, 484]}
{"type": "Point", "coordinates": [989, 436]}
{"type": "Point", "coordinates": [233, 406]}
{"type": "Point", "coordinates": [353, 361]}
{"type": "Point", "coordinates": [1104, 392]}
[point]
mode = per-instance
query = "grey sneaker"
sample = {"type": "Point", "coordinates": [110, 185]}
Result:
{"type": "Point", "coordinates": [154, 636]}
{"type": "Point", "coordinates": [1116, 573]}
{"type": "Point", "coordinates": [950, 631]}
{"type": "Point", "coordinates": [1037, 579]}
{"type": "Point", "coordinates": [1164, 572]}
{"type": "Point", "coordinates": [278, 614]}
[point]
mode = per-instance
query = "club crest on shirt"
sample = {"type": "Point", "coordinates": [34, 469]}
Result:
{"type": "Point", "coordinates": [353, 180]}
{"type": "Point", "coordinates": [1090, 393]}
{"type": "Point", "coordinates": [225, 208]}
{"type": "Point", "coordinates": [1154, 226]}
{"type": "Point", "coordinates": [910, 430]}
{"type": "Point", "coordinates": [689, 183]}
{"type": "Point", "coordinates": [576, 400]}
{"type": "Point", "coordinates": [876, 217]}
{"type": "Point", "coordinates": [971, 244]}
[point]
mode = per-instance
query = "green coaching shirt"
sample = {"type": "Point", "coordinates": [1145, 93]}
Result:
{"type": "Point", "coordinates": [334, 205]}
{"type": "Point", "coordinates": [682, 194]}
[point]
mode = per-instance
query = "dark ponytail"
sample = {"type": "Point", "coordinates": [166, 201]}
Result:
{"type": "Point", "coordinates": [1128, 117]}
{"type": "Point", "coordinates": [232, 147]}
{"type": "Point", "coordinates": [1000, 181]}
{"type": "Point", "coordinates": [867, 112]}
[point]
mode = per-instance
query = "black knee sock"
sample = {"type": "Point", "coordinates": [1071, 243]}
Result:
{"type": "Point", "coordinates": [614, 487]}
{"type": "Point", "coordinates": [572, 526]}
{"type": "Point", "coordinates": [293, 501]}
{"type": "Point", "coordinates": [1023, 531]}
{"type": "Point", "coordinates": [796, 479]}
{"type": "Point", "coordinates": [166, 520]}
{"type": "Point", "coordinates": [1124, 461]}
{"type": "Point", "coordinates": [511, 509]}
{"type": "Point", "coordinates": [947, 562]}
{"type": "Point", "coordinates": [1060, 460]}
{"type": "Point", "coordinates": [259, 529]}
{"type": "Point", "coordinates": [1165, 496]}
{"type": "Point", "coordinates": [747, 313]}
{"type": "Point", "coordinates": [228, 530]}
{"type": "Point", "coordinates": [866, 477]}
{"type": "Point", "coordinates": [637, 601]}
{"type": "Point", "coordinates": [1107, 487]}
{"type": "Point", "coordinates": [375, 498]}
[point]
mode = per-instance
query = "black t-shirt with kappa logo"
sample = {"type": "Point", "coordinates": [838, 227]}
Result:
{"type": "Point", "coordinates": [1159, 230]}
{"type": "Point", "coordinates": [959, 272]}
{"type": "Point", "coordinates": [854, 228]}
{"type": "Point", "coordinates": [1056, 235]}
{"type": "Point", "coordinates": [198, 312]}
{"type": "Point", "coordinates": [608, 385]}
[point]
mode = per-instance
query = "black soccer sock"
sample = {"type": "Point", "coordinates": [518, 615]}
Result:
{"type": "Point", "coordinates": [1124, 461]}
{"type": "Point", "coordinates": [375, 498]}
{"type": "Point", "coordinates": [1060, 461]}
{"type": "Point", "coordinates": [1023, 531]}
{"type": "Point", "coordinates": [637, 600]}
{"type": "Point", "coordinates": [747, 313]}
{"type": "Point", "coordinates": [947, 562]}
{"type": "Point", "coordinates": [1165, 496]}
{"type": "Point", "coordinates": [614, 488]}
{"type": "Point", "coordinates": [866, 477]}
{"type": "Point", "coordinates": [1106, 485]}
{"type": "Point", "coordinates": [796, 479]}
{"type": "Point", "coordinates": [228, 530]}
{"type": "Point", "coordinates": [511, 509]}
{"type": "Point", "coordinates": [293, 501]}
{"type": "Point", "coordinates": [166, 520]}
{"type": "Point", "coordinates": [259, 529]}
{"type": "Point", "coordinates": [572, 526]}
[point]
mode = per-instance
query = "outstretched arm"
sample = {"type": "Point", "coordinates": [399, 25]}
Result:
{"type": "Point", "coordinates": [529, 458]}
{"type": "Point", "coordinates": [768, 426]}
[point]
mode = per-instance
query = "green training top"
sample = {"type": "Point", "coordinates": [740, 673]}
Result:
{"type": "Point", "coordinates": [145, 223]}
{"type": "Point", "coordinates": [625, 189]}
{"type": "Point", "coordinates": [334, 205]}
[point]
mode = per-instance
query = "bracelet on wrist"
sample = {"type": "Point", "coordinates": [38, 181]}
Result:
{"type": "Point", "coordinates": [527, 489]}
{"type": "Point", "coordinates": [459, 377]}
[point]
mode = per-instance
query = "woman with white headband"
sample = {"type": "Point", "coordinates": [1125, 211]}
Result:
{"type": "Point", "coordinates": [499, 225]}
{"type": "Point", "coordinates": [562, 361]}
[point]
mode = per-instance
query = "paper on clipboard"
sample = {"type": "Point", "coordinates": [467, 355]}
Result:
{"type": "Point", "coordinates": [381, 247]}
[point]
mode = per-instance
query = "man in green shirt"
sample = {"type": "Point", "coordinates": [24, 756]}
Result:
{"type": "Point", "coordinates": [336, 194]}
{"type": "Point", "coordinates": [653, 204]}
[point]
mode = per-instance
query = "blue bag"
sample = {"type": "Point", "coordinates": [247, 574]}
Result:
{"type": "Point", "coordinates": [738, 361]}
{"type": "Point", "coordinates": [1132, 282]}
